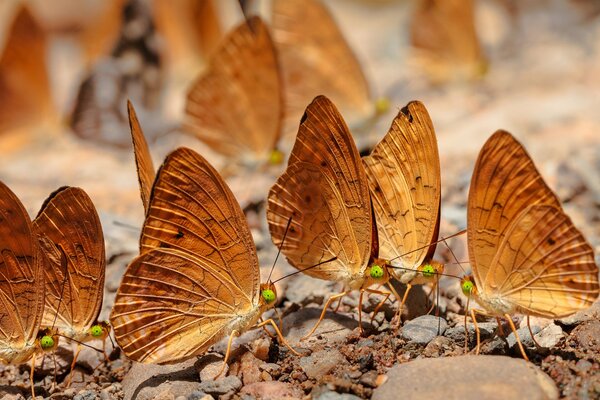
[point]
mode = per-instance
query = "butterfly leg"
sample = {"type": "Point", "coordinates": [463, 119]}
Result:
{"type": "Point", "coordinates": [514, 329]}
{"type": "Point", "coordinates": [381, 303]}
{"type": "Point", "coordinates": [73, 365]}
{"type": "Point", "coordinates": [31, 375]}
{"type": "Point", "coordinates": [266, 330]}
{"type": "Point", "coordinates": [477, 332]}
{"type": "Point", "coordinates": [270, 321]}
{"type": "Point", "coordinates": [399, 311]}
{"type": "Point", "coordinates": [537, 345]}
{"type": "Point", "coordinates": [500, 328]}
{"type": "Point", "coordinates": [329, 301]}
{"type": "Point", "coordinates": [227, 352]}
{"type": "Point", "coordinates": [433, 288]}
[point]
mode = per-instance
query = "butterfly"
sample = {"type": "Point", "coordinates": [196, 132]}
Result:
{"type": "Point", "coordinates": [403, 171]}
{"type": "Point", "coordinates": [236, 106]}
{"type": "Point", "coordinates": [25, 97]}
{"type": "Point", "coordinates": [71, 238]}
{"type": "Point", "coordinates": [197, 278]}
{"type": "Point", "coordinates": [526, 255]}
{"type": "Point", "coordinates": [325, 192]}
{"type": "Point", "coordinates": [143, 158]}
{"type": "Point", "coordinates": [316, 59]}
{"type": "Point", "coordinates": [21, 287]}
{"type": "Point", "coordinates": [445, 40]}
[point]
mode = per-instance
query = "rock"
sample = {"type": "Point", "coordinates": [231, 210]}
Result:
{"type": "Point", "coordinates": [209, 366]}
{"type": "Point", "coordinates": [457, 333]}
{"type": "Point", "coordinates": [63, 356]}
{"type": "Point", "coordinates": [146, 381]}
{"type": "Point", "coordinates": [369, 379]}
{"type": "Point", "coordinates": [334, 328]}
{"type": "Point", "coordinates": [330, 395]}
{"type": "Point", "coordinates": [199, 395]}
{"type": "Point", "coordinates": [86, 395]}
{"type": "Point", "coordinates": [229, 384]}
{"type": "Point", "coordinates": [586, 337]}
{"type": "Point", "coordinates": [465, 378]}
{"type": "Point", "coordinates": [549, 336]}
{"type": "Point", "coordinates": [261, 347]}
{"type": "Point", "coordinates": [588, 314]}
{"type": "Point", "coordinates": [272, 390]}
{"type": "Point", "coordinates": [250, 368]}
{"type": "Point", "coordinates": [524, 335]}
{"type": "Point", "coordinates": [322, 362]}
{"type": "Point", "coordinates": [10, 393]}
{"type": "Point", "coordinates": [423, 329]}
{"type": "Point", "coordinates": [302, 289]}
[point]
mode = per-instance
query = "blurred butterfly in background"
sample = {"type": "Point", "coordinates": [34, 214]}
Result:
{"type": "Point", "coordinates": [197, 279]}
{"type": "Point", "coordinates": [21, 287]}
{"type": "Point", "coordinates": [143, 159]}
{"type": "Point", "coordinates": [25, 97]}
{"type": "Point", "coordinates": [71, 238]}
{"type": "Point", "coordinates": [325, 192]}
{"type": "Point", "coordinates": [526, 255]}
{"type": "Point", "coordinates": [445, 42]}
{"type": "Point", "coordinates": [405, 185]}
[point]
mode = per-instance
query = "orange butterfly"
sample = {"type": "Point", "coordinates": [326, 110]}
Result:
{"type": "Point", "coordinates": [325, 192]}
{"type": "Point", "coordinates": [21, 287]}
{"type": "Point", "coordinates": [196, 279]}
{"type": "Point", "coordinates": [71, 238]}
{"type": "Point", "coordinates": [143, 159]}
{"type": "Point", "coordinates": [527, 256]}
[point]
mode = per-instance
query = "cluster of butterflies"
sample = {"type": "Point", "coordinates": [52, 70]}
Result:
{"type": "Point", "coordinates": [334, 215]}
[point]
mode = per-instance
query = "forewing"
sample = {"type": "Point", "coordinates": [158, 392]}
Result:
{"type": "Point", "coordinates": [404, 178]}
{"type": "Point", "coordinates": [193, 210]}
{"type": "Point", "coordinates": [172, 305]}
{"type": "Point", "coordinates": [236, 106]}
{"type": "Point", "coordinates": [505, 182]}
{"type": "Point", "coordinates": [544, 265]}
{"type": "Point", "coordinates": [325, 191]}
{"type": "Point", "coordinates": [68, 220]}
{"type": "Point", "coordinates": [143, 159]}
{"type": "Point", "coordinates": [316, 59]}
{"type": "Point", "coordinates": [21, 274]}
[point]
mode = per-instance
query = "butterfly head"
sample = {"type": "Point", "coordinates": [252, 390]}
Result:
{"type": "Point", "coordinates": [468, 286]}
{"type": "Point", "coordinates": [382, 105]}
{"type": "Point", "coordinates": [431, 269]}
{"type": "Point", "coordinates": [378, 271]}
{"type": "Point", "coordinates": [275, 157]}
{"type": "Point", "coordinates": [268, 294]}
{"type": "Point", "coordinates": [47, 339]}
{"type": "Point", "coordinates": [99, 330]}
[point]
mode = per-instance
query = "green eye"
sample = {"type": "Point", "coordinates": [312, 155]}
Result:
{"type": "Point", "coordinates": [268, 295]}
{"type": "Point", "coordinates": [46, 342]}
{"type": "Point", "coordinates": [467, 287]}
{"type": "Point", "coordinates": [96, 331]}
{"type": "Point", "coordinates": [428, 271]}
{"type": "Point", "coordinates": [276, 157]}
{"type": "Point", "coordinates": [382, 105]}
{"type": "Point", "coordinates": [376, 271]}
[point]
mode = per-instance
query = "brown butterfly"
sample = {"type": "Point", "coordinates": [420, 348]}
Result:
{"type": "Point", "coordinates": [316, 59]}
{"type": "Point", "coordinates": [196, 280]}
{"type": "Point", "coordinates": [25, 98]}
{"type": "Point", "coordinates": [235, 107]}
{"type": "Point", "coordinates": [325, 192]}
{"type": "Point", "coordinates": [404, 177]}
{"type": "Point", "coordinates": [143, 159]}
{"type": "Point", "coordinates": [445, 40]}
{"type": "Point", "coordinates": [21, 287]}
{"type": "Point", "coordinates": [527, 256]}
{"type": "Point", "coordinates": [71, 238]}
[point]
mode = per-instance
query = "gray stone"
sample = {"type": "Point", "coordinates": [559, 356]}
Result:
{"type": "Point", "coordinates": [424, 329]}
{"type": "Point", "coordinates": [86, 395]}
{"type": "Point", "coordinates": [303, 289]}
{"type": "Point", "coordinates": [322, 362]}
{"type": "Point", "coordinates": [334, 328]}
{"type": "Point", "coordinates": [221, 386]}
{"type": "Point", "coordinates": [330, 395]}
{"type": "Point", "coordinates": [146, 381]}
{"type": "Point", "coordinates": [457, 333]}
{"type": "Point", "coordinates": [272, 391]}
{"type": "Point", "coordinates": [199, 395]}
{"type": "Point", "coordinates": [549, 336]}
{"type": "Point", "coordinates": [524, 335]}
{"type": "Point", "coordinates": [465, 378]}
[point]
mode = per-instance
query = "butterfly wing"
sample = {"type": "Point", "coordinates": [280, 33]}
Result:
{"type": "Point", "coordinates": [68, 220]}
{"type": "Point", "coordinates": [21, 280]}
{"type": "Point", "coordinates": [316, 59]}
{"type": "Point", "coordinates": [325, 191]}
{"type": "Point", "coordinates": [544, 265]}
{"type": "Point", "coordinates": [24, 86]}
{"type": "Point", "coordinates": [198, 271]}
{"type": "Point", "coordinates": [143, 159]}
{"type": "Point", "coordinates": [404, 177]}
{"type": "Point", "coordinates": [236, 106]}
{"type": "Point", "coordinates": [504, 183]}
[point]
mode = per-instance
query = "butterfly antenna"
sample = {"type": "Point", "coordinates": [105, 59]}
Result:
{"type": "Point", "coordinates": [81, 343]}
{"type": "Point", "coordinates": [306, 269]}
{"type": "Point", "coordinates": [126, 225]}
{"type": "Point", "coordinates": [454, 255]}
{"type": "Point", "coordinates": [433, 272]}
{"type": "Point", "coordinates": [64, 266]}
{"type": "Point", "coordinates": [280, 247]}
{"type": "Point", "coordinates": [430, 244]}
